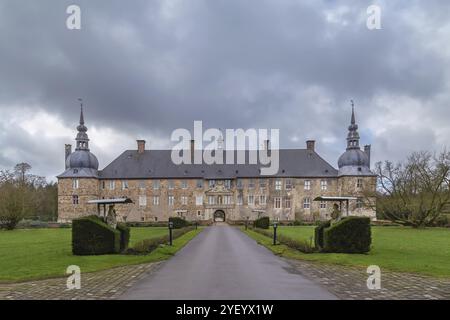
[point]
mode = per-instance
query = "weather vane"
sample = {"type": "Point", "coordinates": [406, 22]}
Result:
{"type": "Point", "coordinates": [353, 104]}
{"type": "Point", "coordinates": [81, 101]}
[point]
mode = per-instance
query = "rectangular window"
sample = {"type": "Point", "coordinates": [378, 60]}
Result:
{"type": "Point", "coordinates": [212, 183]}
{"type": "Point", "coordinates": [211, 200]}
{"type": "Point", "coordinates": [142, 201]}
{"type": "Point", "coordinates": [171, 184]}
{"type": "Point", "coordinates": [278, 184]}
{"type": "Point", "coordinates": [239, 184]}
{"type": "Point", "coordinates": [227, 200]}
{"type": "Point", "coordinates": [288, 184]}
{"type": "Point", "coordinates": [156, 200]}
{"type": "Point", "coordinates": [75, 183]}
{"type": "Point", "coordinates": [199, 184]}
{"type": "Point", "coordinates": [277, 202]}
{"type": "Point", "coordinates": [262, 200]}
{"type": "Point", "coordinates": [227, 184]}
{"type": "Point", "coordinates": [251, 184]}
{"type": "Point", "coordinates": [323, 204]}
{"type": "Point", "coordinates": [240, 200]}
{"type": "Point", "coordinates": [75, 199]}
{"type": "Point", "coordinates": [141, 184]}
{"type": "Point", "coordinates": [262, 183]}
{"type": "Point", "coordinates": [112, 185]}
{"type": "Point", "coordinates": [323, 185]}
{"type": "Point", "coordinates": [199, 200]}
{"type": "Point", "coordinates": [307, 203]}
{"type": "Point", "coordinates": [287, 203]}
{"type": "Point", "coordinates": [359, 203]}
{"type": "Point", "coordinates": [359, 183]}
{"type": "Point", "coordinates": [124, 184]}
{"type": "Point", "coordinates": [171, 200]}
{"type": "Point", "coordinates": [184, 184]}
{"type": "Point", "coordinates": [155, 184]}
{"type": "Point", "coordinates": [103, 185]}
{"type": "Point", "coordinates": [184, 200]}
{"type": "Point", "coordinates": [307, 184]}
{"type": "Point", "coordinates": [251, 200]}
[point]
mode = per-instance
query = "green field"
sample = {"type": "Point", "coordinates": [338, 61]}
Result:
{"type": "Point", "coordinates": [42, 253]}
{"type": "Point", "coordinates": [425, 251]}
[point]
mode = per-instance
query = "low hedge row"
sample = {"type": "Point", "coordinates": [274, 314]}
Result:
{"type": "Point", "coordinates": [300, 245]}
{"type": "Point", "coordinates": [148, 245]}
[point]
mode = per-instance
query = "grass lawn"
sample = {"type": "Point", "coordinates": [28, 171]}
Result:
{"type": "Point", "coordinates": [43, 253]}
{"type": "Point", "coordinates": [425, 251]}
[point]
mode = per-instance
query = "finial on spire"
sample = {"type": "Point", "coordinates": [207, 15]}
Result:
{"type": "Point", "coordinates": [81, 113]}
{"type": "Point", "coordinates": [353, 112]}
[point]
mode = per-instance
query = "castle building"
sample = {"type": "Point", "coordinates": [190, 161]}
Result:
{"type": "Point", "coordinates": [304, 188]}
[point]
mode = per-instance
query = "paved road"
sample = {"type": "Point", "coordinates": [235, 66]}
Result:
{"type": "Point", "coordinates": [223, 263]}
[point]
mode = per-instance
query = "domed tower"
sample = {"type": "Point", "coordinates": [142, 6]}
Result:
{"type": "Point", "coordinates": [79, 182]}
{"type": "Point", "coordinates": [82, 159]}
{"type": "Point", "coordinates": [354, 161]}
{"type": "Point", "coordinates": [354, 176]}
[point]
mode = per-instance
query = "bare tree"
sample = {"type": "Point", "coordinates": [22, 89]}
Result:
{"type": "Point", "coordinates": [415, 192]}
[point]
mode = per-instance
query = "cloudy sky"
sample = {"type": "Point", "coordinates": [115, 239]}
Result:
{"type": "Point", "coordinates": [145, 68]}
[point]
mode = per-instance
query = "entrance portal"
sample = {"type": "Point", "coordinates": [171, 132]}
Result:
{"type": "Point", "coordinates": [219, 216]}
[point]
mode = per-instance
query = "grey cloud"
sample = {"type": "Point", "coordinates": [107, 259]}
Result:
{"type": "Point", "coordinates": [146, 69]}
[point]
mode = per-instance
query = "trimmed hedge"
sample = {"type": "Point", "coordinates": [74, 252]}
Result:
{"type": "Point", "coordinates": [91, 236]}
{"type": "Point", "coordinates": [262, 223]}
{"type": "Point", "coordinates": [350, 235]}
{"type": "Point", "coordinates": [124, 235]}
{"type": "Point", "coordinates": [318, 234]}
{"type": "Point", "coordinates": [178, 222]}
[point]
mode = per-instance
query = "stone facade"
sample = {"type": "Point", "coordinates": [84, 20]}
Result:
{"type": "Point", "coordinates": [155, 200]}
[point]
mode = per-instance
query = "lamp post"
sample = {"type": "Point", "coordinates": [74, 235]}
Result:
{"type": "Point", "coordinates": [275, 226]}
{"type": "Point", "coordinates": [170, 232]}
{"type": "Point", "coordinates": [246, 223]}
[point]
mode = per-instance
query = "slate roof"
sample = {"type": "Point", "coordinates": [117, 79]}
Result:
{"type": "Point", "coordinates": [158, 164]}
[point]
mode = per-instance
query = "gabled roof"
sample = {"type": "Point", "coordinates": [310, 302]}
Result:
{"type": "Point", "coordinates": [158, 164]}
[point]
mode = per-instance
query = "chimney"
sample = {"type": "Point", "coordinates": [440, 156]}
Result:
{"type": "Point", "coordinates": [141, 146]}
{"type": "Point", "coordinates": [192, 150]}
{"type": "Point", "coordinates": [310, 145]}
{"type": "Point", "coordinates": [68, 151]}
{"type": "Point", "coordinates": [367, 151]}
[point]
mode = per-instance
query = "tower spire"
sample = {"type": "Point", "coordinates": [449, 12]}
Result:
{"type": "Point", "coordinates": [353, 135]}
{"type": "Point", "coordinates": [81, 114]}
{"type": "Point", "coordinates": [82, 137]}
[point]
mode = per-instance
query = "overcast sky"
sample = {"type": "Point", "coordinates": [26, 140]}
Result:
{"type": "Point", "coordinates": [145, 68]}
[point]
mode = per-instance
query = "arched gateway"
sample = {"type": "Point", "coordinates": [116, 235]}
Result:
{"type": "Point", "coordinates": [219, 216]}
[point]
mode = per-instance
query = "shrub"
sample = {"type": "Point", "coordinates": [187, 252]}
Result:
{"type": "Point", "coordinates": [318, 234]}
{"type": "Point", "coordinates": [262, 223]}
{"type": "Point", "coordinates": [178, 222]}
{"type": "Point", "coordinates": [91, 236]}
{"type": "Point", "coordinates": [350, 235]}
{"type": "Point", "coordinates": [124, 235]}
